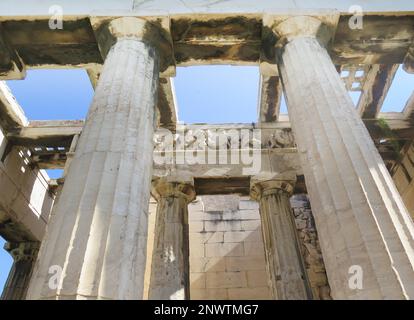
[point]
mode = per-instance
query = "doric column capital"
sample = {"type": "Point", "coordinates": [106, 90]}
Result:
{"type": "Point", "coordinates": [137, 28]}
{"type": "Point", "coordinates": [261, 186]}
{"type": "Point", "coordinates": [170, 187]}
{"type": "Point", "coordinates": [155, 32]}
{"type": "Point", "coordinates": [22, 250]}
{"type": "Point", "coordinates": [320, 25]}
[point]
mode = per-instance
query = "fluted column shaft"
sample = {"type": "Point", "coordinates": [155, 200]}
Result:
{"type": "Point", "coordinates": [170, 270]}
{"type": "Point", "coordinates": [361, 220]}
{"type": "Point", "coordinates": [24, 255]}
{"type": "Point", "coordinates": [283, 259]}
{"type": "Point", "coordinates": [98, 232]}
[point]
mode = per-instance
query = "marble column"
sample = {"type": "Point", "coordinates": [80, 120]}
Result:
{"type": "Point", "coordinates": [95, 245]}
{"type": "Point", "coordinates": [24, 255]}
{"type": "Point", "coordinates": [365, 232]}
{"type": "Point", "coordinates": [170, 272]}
{"type": "Point", "coordinates": [283, 258]}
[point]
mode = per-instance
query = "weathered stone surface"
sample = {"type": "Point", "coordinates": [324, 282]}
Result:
{"type": "Point", "coordinates": [258, 293]}
{"type": "Point", "coordinates": [226, 279]}
{"type": "Point", "coordinates": [310, 249]}
{"type": "Point", "coordinates": [231, 249]}
{"type": "Point", "coordinates": [211, 264]}
{"type": "Point", "coordinates": [220, 203]}
{"type": "Point", "coordinates": [209, 294]}
{"type": "Point", "coordinates": [245, 263]}
{"type": "Point", "coordinates": [207, 237]}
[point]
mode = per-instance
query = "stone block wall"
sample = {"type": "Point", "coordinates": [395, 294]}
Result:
{"type": "Point", "coordinates": [227, 258]}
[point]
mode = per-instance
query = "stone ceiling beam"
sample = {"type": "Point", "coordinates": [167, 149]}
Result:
{"type": "Point", "coordinates": [270, 95]}
{"type": "Point", "coordinates": [11, 114]}
{"type": "Point", "coordinates": [48, 133]}
{"type": "Point", "coordinates": [202, 39]}
{"type": "Point", "coordinates": [177, 7]}
{"type": "Point", "coordinates": [167, 110]}
{"type": "Point", "coordinates": [378, 82]}
{"type": "Point", "coordinates": [11, 65]}
{"type": "Point", "coordinates": [39, 46]}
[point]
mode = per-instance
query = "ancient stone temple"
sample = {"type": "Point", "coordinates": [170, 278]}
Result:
{"type": "Point", "coordinates": [316, 204]}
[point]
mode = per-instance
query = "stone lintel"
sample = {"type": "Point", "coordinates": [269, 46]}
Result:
{"type": "Point", "coordinates": [269, 98]}
{"type": "Point", "coordinates": [374, 91]}
{"type": "Point", "coordinates": [49, 133]}
{"type": "Point", "coordinates": [11, 65]}
{"type": "Point", "coordinates": [167, 110]}
{"type": "Point", "coordinates": [152, 30]}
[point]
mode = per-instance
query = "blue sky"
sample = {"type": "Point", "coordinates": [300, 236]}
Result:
{"type": "Point", "coordinates": [5, 263]}
{"type": "Point", "coordinates": [208, 94]}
